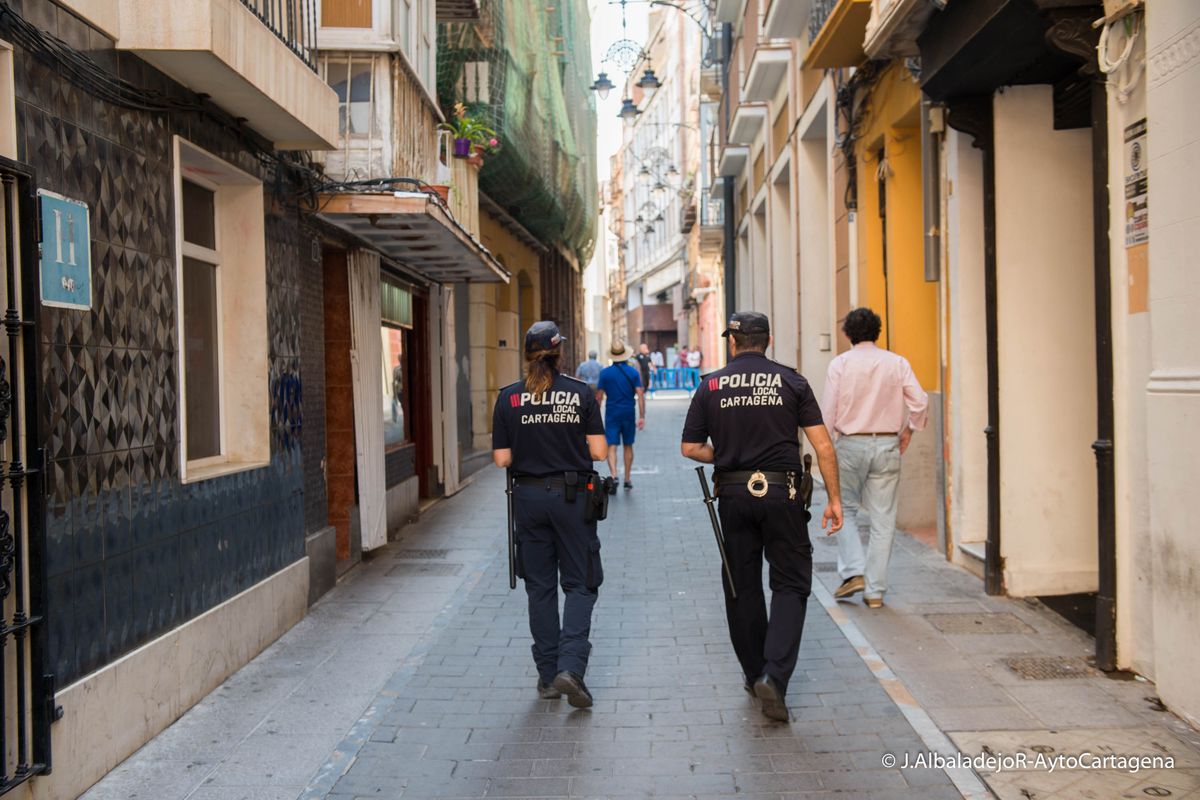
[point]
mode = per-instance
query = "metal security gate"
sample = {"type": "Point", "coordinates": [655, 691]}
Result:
{"type": "Point", "coordinates": [26, 691]}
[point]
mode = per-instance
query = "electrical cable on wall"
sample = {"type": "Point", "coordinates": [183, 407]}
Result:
{"type": "Point", "coordinates": [1132, 23]}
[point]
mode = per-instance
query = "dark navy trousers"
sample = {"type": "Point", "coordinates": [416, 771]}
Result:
{"type": "Point", "coordinates": [778, 528]}
{"type": "Point", "coordinates": [556, 546]}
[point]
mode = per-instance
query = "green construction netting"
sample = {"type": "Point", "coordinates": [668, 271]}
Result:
{"type": "Point", "coordinates": [526, 68]}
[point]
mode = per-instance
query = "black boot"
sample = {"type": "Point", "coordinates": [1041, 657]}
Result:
{"type": "Point", "coordinates": [768, 690]}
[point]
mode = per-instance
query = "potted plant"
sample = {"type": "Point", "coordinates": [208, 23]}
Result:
{"type": "Point", "coordinates": [478, 151]}
{"type": "Point", "coordinates": [468, 131]}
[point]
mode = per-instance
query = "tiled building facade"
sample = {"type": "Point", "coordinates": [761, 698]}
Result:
{"type": "Point", "coordinates": [132, 551]}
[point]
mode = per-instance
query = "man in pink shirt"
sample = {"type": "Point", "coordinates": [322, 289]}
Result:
{"type": "Point", "coordinates": [872, 404]}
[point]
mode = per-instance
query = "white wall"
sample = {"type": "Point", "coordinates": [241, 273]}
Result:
{"type": "Point", "coordinates": [1131, 371]}
{"type": "Point", "coordinates": [1047, 347]}
{"type": "Point", "coordinates": [815, 221]}
{"type": "Point", "coordinates": [966, 356]}
{"type": "Point", "coordinates": [1173, 401]}
{"type": "Point", "coordinates": [784, 306]}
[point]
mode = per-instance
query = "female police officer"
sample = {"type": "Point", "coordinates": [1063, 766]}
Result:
{"type": "Point", "coordinates": [547, 430]}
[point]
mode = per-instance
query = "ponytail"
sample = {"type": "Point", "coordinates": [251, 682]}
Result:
{"type": "Point", "coordinates": [540, 369]}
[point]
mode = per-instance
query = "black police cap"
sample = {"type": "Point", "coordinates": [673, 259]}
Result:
{"type": "Point", "coordinates": [748, 322]}
{"type": "Point", "coordinates": [543, 335]}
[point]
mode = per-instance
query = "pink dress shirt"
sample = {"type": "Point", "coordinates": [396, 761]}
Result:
{"type": "Point", "coordinates": [872, 390]}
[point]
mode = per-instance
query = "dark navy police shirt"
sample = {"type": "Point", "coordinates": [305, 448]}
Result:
{"type": "Point", "coordinates": [750, 410]}
{"type": "Point", "coordinates": [548, 432]}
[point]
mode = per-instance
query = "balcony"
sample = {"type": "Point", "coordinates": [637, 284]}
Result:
{"type": "Point", "coordinates": [748, 121]}
{"type": "Point", "coordinates": [837, 28]}
{"type": "Point", "coordinates": [733, 160]}
{"type": "Point", "coordinates": [768, 69]}
{"type": "Point", "coordinates": [787, 19]}
{"type": "Point", "coordinates": [457, 10]}
{"type": "Point", "coordinates": [729, 10]}
{"type": "Point", "coordinates": [893, 27]}
{"type": "Point", "coordinates": [253, 58]}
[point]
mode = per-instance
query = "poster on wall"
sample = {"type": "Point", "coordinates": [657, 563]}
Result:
{"type": "Point", "coordinates": [1137, 214]}
{"type": "Point", "coordinates": [66, 263]}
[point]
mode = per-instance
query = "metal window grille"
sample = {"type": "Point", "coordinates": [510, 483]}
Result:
{"type": "Point", "coordinates": [26, 691]}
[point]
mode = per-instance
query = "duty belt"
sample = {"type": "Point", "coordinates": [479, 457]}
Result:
{"type": "Point", "coordinates": [569, 482]}
{"type": "Point", "coordinates": [757, 482]}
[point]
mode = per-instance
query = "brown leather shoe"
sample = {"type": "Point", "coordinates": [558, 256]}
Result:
{"type": "Point", "coordinates": [851, 585]}
{"type": "Point", "coordinates": [873, 602]}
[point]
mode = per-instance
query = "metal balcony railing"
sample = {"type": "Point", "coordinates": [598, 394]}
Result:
{"type": "Point", "coordinates": [821, 9]}
{"type": "Point", "coordinates": [712, 211]}
{"type": "Point", "coordinates": [294, 22]}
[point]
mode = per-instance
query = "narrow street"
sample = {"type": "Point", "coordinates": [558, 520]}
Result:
{"type": "Point", "coordinates": [413, 679]}
{"type": "Point", "coordinates": [442, 703]}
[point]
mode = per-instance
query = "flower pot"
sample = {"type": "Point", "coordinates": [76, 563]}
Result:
{"type": "Point", "coordinates": [441, 191]}
{"type": "Point", "coordinates": [462, 148]}
{"type": "Point", "coordinates": [475, 159]}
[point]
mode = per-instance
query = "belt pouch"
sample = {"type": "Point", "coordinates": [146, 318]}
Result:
{"type": "Point", "coordinates": [570, 485]}
{"type": "Point", "coordinates": [596, 507]}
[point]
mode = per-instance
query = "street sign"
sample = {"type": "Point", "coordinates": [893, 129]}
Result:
{"type": "Point", "coordinates": [66, 263]}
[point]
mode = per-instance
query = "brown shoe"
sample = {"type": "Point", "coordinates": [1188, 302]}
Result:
{"type": "Point", "coordinates": [851, 585]}
{"type": "Point", "coordinates": [873, 602]}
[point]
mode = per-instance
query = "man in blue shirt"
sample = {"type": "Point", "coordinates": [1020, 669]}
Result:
{"type": "Point", "coordinates": [621, 385]}
{"type": "Point", "coordinates": [589, 371]}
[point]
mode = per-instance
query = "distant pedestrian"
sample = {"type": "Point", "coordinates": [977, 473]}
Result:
{"type": "Point", "coordinates": [681, 356]}
{"type": "Point", "coordinates": [624, 398]}
{"type": "Point", "coordinates": [547, 430]}
{"type": "Point", "coordinates": [656, 358]}
{"type": "Point", "coordinates": [589, 371]}
{"type": "Point", "coordinates": [645, 364]}
{"type": "Point", "coordinates": [752, 409]}
{"type": "Point", "coordinates": [872, 403]}
{"type": "Point", "coordinates": [695, 358]}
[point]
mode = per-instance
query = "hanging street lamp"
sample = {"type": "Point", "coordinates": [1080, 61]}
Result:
{"type": "Point", "coordinates": [659, 189]}
{"type": "Point", "coordinates": [649, 83]}
{"type": "Point", "coordinates": [603, 86]}
{"type": "Point", "coordinates": [629, 112]}
{"type": "Point", "coordinates": [643, 174]}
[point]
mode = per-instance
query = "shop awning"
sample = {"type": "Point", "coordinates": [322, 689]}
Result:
{"type": "Point", "coordinates": [413, 229]}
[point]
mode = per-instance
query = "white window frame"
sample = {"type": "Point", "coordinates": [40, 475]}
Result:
{"type": "Point", "coordinates": [349, 60]}
{"type": "Point", "coordinates": [241, 305]}
{"type": "Point", "coordinates": [381, 35]}
{"type": "Point", "coordinates": [213, 259]}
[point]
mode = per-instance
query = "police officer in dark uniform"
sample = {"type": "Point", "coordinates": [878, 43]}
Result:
{"type": "Point", "coordinates": [547, 429]}
{"type": "Point", "coordinates": [752, 410]}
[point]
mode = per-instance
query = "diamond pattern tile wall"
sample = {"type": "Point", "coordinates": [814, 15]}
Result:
{"type": "Point", "coordinates": [131, 551]}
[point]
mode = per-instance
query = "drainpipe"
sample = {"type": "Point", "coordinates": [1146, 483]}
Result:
{"type": "Point", "coordinates": [727, 187]}
{"type": "Point", "coordinates": [993, 567]}
{"type": "Point", "coordinates": [1106, 534]}
{"type": "Point", "coordinates": [931, 138]}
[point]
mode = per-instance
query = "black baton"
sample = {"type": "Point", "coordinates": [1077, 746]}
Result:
{"type": "Point", "coordinates": [512, 536]}
{"type": "Point", "coordinates": [716, 524]}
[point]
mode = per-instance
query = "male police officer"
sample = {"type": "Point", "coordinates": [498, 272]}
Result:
{"type": "Point", "coordinates": [548, 430]}
{"type": "Point", "coordinates": [751, 409]}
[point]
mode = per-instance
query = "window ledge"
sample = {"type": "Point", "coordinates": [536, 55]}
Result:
{"type": "Point", "coordinates": [203, 473]}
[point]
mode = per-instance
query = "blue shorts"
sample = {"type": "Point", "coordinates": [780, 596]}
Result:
{"type": "Point", "coordinates": [620, 427]}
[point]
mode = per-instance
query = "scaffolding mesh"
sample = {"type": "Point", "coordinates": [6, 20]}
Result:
{"type": "Point", "coordinates": [525, 67]}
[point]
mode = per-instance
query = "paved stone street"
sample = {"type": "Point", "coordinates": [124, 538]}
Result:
{"type": "Point", "coordinates": [413, 678]}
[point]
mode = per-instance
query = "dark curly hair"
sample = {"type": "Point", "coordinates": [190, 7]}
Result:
{"type": "Point", "coordinates": [862, 325]}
